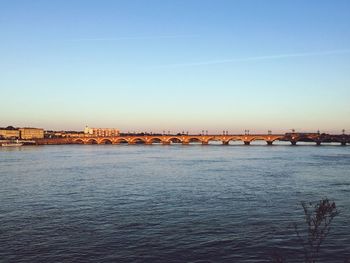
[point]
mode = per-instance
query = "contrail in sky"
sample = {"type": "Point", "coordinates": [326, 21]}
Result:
{"type": "Point", "coordinates": [134, 38]}
{"type": "Point", "coordinates": [257, 58]}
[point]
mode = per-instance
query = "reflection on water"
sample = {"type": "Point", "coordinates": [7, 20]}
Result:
{"type": "Point", "coordinates": [109, 203]}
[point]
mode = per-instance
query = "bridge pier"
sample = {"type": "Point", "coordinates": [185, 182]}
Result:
{"type": "Point", "coordinates": [185, 143]}
{"type": "Point", "coordinates": [204, 143]}
{"type": "Point", "coordinates": [224, 143]}
{"type": "Point", "coordinates": [318, 143]}
{"type": "Point", "coordinates": [343, 143]}
{"type": "Point", "coordinates": [246, 142]}
{"type": "Point", "coordinates": [293, 143]}
{"type": "Point", "coordinates": [165, 143]}
{"type": "Point", "coordinates": [269, 142]}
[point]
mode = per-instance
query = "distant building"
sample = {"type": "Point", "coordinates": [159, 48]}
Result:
{"type": "Point", "coordinates": [31, 133]}
{"type": "Point", "coordinates": [63, 134]}
{"type": "Point", "coordinates": [73, 134]}
{"type": "Point", "coordinates": [6, 133]}
{"type": "Point", "coordinates": [101, 132]}
{"type": "Point", "coordinates": [88, 130]}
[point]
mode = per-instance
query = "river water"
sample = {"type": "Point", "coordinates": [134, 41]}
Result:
{"type": "Point", "coordinates": [140, 203]}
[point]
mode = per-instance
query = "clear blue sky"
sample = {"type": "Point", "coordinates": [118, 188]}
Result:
{"type": "Point", "coordinates": [176, 65]}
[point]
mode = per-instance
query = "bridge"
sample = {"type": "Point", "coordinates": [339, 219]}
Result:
{"type": "Point", "coordinates": [185, 139]}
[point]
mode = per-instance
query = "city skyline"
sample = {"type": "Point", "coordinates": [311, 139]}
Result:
{"type": "Point", "coordinates": [176, 65]}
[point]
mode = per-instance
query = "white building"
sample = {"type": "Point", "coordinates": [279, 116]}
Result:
{"type": "Point", "coordinates": [101, 132]}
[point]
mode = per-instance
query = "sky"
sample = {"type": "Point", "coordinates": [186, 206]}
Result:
{"type": "Point", "coordinates": [176, 65]}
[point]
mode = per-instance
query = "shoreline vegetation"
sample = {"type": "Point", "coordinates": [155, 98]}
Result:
{"type": "Point", "coordinates": [318, 217]}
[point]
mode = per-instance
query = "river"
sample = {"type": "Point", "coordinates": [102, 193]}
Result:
{"type": "Point", "coordinates": [155, 203]}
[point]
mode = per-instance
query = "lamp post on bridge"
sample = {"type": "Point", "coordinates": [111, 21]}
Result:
{"type": "Point", "coordinates": [269, 132]}
{"type": "Point", "coordinates": [343, 131]}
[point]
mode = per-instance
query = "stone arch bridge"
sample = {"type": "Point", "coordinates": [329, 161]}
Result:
{"type": "Point", "coordinates": [182, 139]}
{"type": "Point", "coordinates": [293, 138]}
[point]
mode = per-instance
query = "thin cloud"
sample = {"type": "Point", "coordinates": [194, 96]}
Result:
{"type": "Point", "coordinates": [134, 38]}
{"type": "Point", "coordinates": [257, 58]}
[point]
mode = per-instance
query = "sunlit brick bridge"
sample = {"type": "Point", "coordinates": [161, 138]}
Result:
{"type": "Point", "coordinates": [225, 139]}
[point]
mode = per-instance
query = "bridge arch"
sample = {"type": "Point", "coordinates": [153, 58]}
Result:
{"type": "Point", "coordinates": [212, 140]}
{"type": "Point", "coordinates": [155, 140]}
{"type": "Point", "coordinates": [78, 141]}
{"type": "Point", "coordinates": [236, 140]}
{"type": "Point", "coordinates": [258, 138]}
{"type": "Point", "coordinates": [174, 140]}
{"type": "Point", "coordinates": [137, 140]}
{"type": "Point", "coordinates": [121, 140]}
{"type": "Point", "coordinates": [194, 140]}
{"type": "Point", "coordinates": [106, 141]}
{"type": "Point", "coordinates": [91, 141]}
{"type": "Point", "coordinates": [273, 139]}
{"type": "Point", "coordinates": [307, 139]}
{"type": "Point", "coordinates": [303, 139]}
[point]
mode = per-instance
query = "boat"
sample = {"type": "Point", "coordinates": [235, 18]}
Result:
{"type": "Point", "coordinates": [12, 144]}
